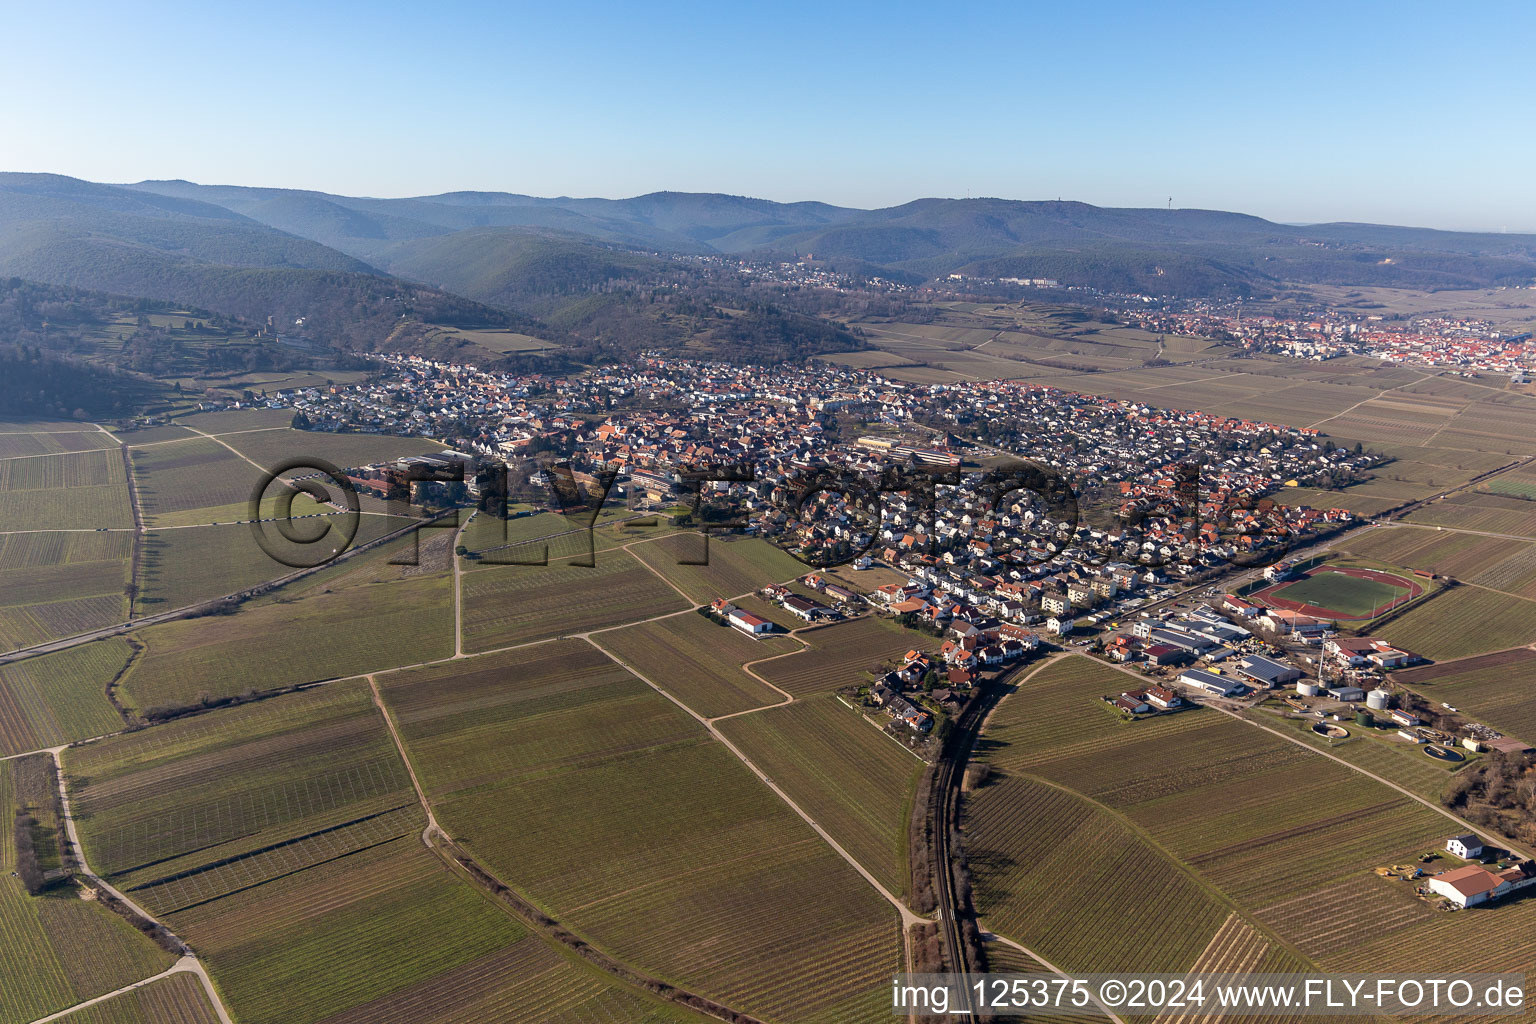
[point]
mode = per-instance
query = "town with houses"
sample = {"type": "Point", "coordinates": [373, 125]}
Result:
{"type": "Point", "coordinates": [1469, 346]}
{"type": "Point", "coordinates": [994, 578]}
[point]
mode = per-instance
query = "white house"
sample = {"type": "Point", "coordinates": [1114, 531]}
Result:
{"type": "Point", "coordinates": [1466, 846]}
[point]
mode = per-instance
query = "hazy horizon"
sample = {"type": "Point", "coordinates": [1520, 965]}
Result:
{"type": "Point", "coordinates": [744, 195]}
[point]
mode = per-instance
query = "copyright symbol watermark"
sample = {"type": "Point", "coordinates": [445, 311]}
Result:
{"type": "Point", "coordinates": [309, 539]}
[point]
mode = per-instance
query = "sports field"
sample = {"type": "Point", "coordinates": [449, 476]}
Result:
{"type": "Point", "coordinates": [1341, 593]}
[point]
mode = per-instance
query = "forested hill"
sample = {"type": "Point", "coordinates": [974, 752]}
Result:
{"type": "Point", "coordinates": [62, 231]}
{"type": "Point", "coordinates": [1186, 252]}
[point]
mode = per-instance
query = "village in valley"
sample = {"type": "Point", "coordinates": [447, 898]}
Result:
{"type": "Point", "coordinates": [1140, 536]}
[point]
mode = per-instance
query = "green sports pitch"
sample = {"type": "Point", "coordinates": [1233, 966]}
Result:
{"type": "Point", "coordinates": [1346, 595]}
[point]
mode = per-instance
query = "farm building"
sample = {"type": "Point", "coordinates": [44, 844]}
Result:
{"type": "Point", "coordinates": [749, 623]}
{"type": "Point", "coordinates": [804, 607]}
{"type": "Point", "coordinates": [1132, 704]}
{"type": "Point", "coordinates": [1509, 745]}
{"type": "Point", "coordinates": [1466, 846]}
{"type": "Point", "coordinates": [1474, 884]}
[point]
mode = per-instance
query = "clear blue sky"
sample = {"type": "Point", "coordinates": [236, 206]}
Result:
{"type": "Point", "coordinates": [1398, 113]}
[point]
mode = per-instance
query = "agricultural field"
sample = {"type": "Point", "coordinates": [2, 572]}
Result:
{"type": "Point", "coordinates": [1005, 959]}
{"type": "Point", "coordinates": [55, 584]}
{"type": "Point", "coordinates": [59, 949]}
{"type": "Point", "coordinates": [1230, 814]}
{"type": "Point", "coordinates": [232, 420]}
{"type": "Point", "coordinates": [551, 536]}
{"type": "Point", "coordinates": [154, 435]}
{"type": "Point", "coordinates": [615, 812]}
{"type": "Point", "coordinates": [294, 843]}
{"type": "Point", "coordinates": [496, 341]}
{"type": "Point", "coordinates": [187, 565]}
{"type": "Point", "coordinates": [842, 655]}
{"type": "Point", "coordinates": [1460, 621]}
{"type": "Point", "coordinates": [1486, 512]}
{"type": "Point", "coordinates": [281, 641]}
{"type": "Point", "coordinates": [345, 451]}
{"type": "Point", "coordinates": [1021, 340]}
{"type": "Point", "coordinates": [61, 697]}
{"type": "Point", "coordinates": [515, 604]}
{"type": "Point", "coordinates": [698, 661]}
{"type": "Point", "coordinates": [1380, 751]}
{"type": "Point", "coordinates": [16, 441]}
{"type": "Point", "coordinates": [191, 482]}
{"type": "Point", "coordinates": [1493, 562]}
{"type": "Point", "coordinates": [855, 781]}
{"type": "Point", "coordinates": [1499, 689]}
{"type": "Point", "coordinates": [78, 491]}
{"type": "Point", "coordinates": [1520, 483]}
{"type": "Point", "coordinates": [736, 565]}
{"type": "Point", "coordinates": [175, 999]}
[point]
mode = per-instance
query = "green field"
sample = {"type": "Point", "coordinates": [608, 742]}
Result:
{"type": "Point", "coordinates": [698, 661]}
{"type": "Point", "coordinates": [842, 655]}
{"type": "Point", "coordinates": [1499, 690]}
{"type": "Point", "coordinates": [1471, 510]}
{"type": "Point", "coordinates": [78, 491]}
{"type": "Point", "coordinates": [345, 451]}
{"type": "Point", "coordinates": [1460, 621]}
{"type": "Point", "coordinates": [293, 840]}
{"type": "Point", "coordinates": [615, 812]}
{"type": "Point", "coordinates": [514, 604]}
{"type": "Point", "coordinates": [854, 780]}
{"type": "Point", "coordinates": [188, 565]}
{"type": "Point", "coordinates": [186, 483]}
{"type": "Point", "coordinates": [1236, 820]}
{"type": "Point", "coordinates": [737, 565]}
{"type": "Point", "coordinates": [59, 950]}
{"type": "Point", "coordinates": [281, 641]}
{"type": "Point", "coordinates": [60, 697]}
{"type": "Point", "coordinates": [230, 420]}
{"type": "Point", "coordinates": [1348, 595]}
{"type": "Point", "coordinates": [56, 584]}
{"type": "Point", "coordinates": [176, 999]}
{"type": "Point", "coordinates": [551, 536]}
{"type": "Point", "coordinates": [16, 440]}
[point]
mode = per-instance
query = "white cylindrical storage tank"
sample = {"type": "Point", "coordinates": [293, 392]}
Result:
{"type": "Point", "coordinates": [1308, 689]}
{"type": "Point", "coordinates": [1378, 699]}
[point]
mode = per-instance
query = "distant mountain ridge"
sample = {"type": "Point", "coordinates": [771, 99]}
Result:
{"type": "Point", "coordinates": [1177, 251]}
{"type": "Point", "coordinates": [352, 265]}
